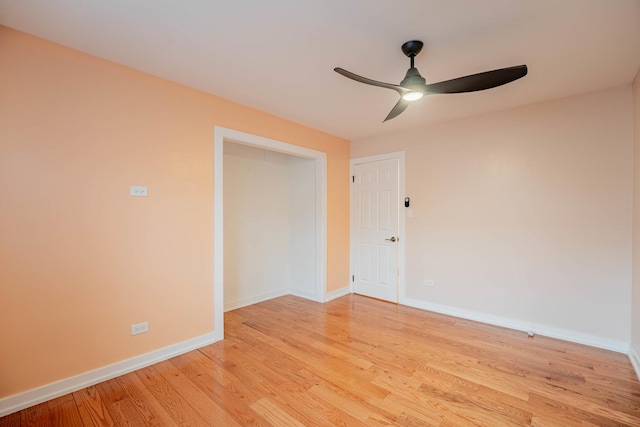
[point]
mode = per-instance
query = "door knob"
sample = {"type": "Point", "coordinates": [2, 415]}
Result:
{"type": "Point", "coordinates": [393, 239]}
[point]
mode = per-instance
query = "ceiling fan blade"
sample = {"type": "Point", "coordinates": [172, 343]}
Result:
{"type": "Point", "coordinates": [399, 108]}
{"type": "Point", "coordinates": [367, 81]}
{"type": "Point", "coordinates": [480, 81]}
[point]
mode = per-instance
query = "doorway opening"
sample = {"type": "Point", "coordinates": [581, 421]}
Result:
{"type": "Point", "coordinates": [269, 221]}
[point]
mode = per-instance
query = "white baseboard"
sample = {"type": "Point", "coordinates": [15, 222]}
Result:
{"type": "Point", "coordinates": [243, 302]}
{"type": "Point", "coordinates": [303, 294]}
{"type": "Point", "coordinates": [518, 325]}
{"type": "Point", "coordinates": [17, 402]}
{"type": "Point", "coordinates": [634, 357]}
{"type": "Point", "coordinates": [337, 293]}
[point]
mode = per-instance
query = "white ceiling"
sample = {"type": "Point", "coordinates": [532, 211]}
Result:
{"type": "Point", "coordinates": [278, 55]}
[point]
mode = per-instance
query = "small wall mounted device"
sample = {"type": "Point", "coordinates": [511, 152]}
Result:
{"type": "Point", "coordinates": [406, 202]}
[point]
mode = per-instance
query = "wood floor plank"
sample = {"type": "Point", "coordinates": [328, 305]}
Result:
{"type": "Point", "coordinates": [171, 400]}
{"type": "Point", "coordinates": [11, 420]}
{"type": "Point", "coordinates": [311, 410]}
{"type": "Point", "coordinates": [541, 421]}
{"type": "Point", "coordinates": [66, 415]}
{"type": "Point", "coordinates": [274, 413]}
{"type": "Point", "coordinates": [36, 416]}
{"type": "Point", "coordinates": [563, 410]}
{"type": "Point", "coordinates": [150, 410]}
{"type": "Point", "coordinates": [202, 403]}
{"type": "Point", "coordinates": [353, 408]}
{"type": "Point", "coordinates": [356, 361]}
{"type": "Point", "coordinates": [233, 396]}
{"type": "Point", "coordinates": [92, 409]}
{"type": "Point", "coordinates": [197, 361]}
{"type": "Point", "coordinates": [400, 407]}
{"type": "Point", "coordinates": [124, 413]}
{"type": "Point", "coordinates": [61, 400]}
{"type": "Point", "coordinates": [111, 392]}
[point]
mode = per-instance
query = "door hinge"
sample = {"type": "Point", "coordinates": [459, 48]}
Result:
{"type": "Point", "coordinates": [353, 278]}
{"type": "Point", "coordinates": [353, 178]}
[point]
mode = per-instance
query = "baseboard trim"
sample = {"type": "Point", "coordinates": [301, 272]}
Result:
{"type": "Point", "coordinates": [234, 305]}
{"type": "Point", "coordinates": [337, 293]}
{"type": "Point", "coordinates": [302, 294]}
{"type": "Point", "coordinates": [17, 402]}
{"type": "Point", "coordinates": [518, 325]}
{"type": "Point", "coordinates": [634, 357]}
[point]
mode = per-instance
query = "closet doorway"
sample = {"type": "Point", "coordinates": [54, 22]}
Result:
{"type": "Point", "coordinates": [269, 221]}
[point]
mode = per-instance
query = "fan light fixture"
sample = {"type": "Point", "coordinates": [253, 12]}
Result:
{"type": "Point", "coordinates": [412, 96]}
{"type": "Point", "coordinates": [414, 86]}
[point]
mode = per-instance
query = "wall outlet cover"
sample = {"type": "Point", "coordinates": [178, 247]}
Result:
{"type": "Point", "coordinates": [138, 191]}
{"type": "Point", "coordinates": [139, 328]}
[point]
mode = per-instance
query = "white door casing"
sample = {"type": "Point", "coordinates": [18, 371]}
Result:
{"type": "Point", "coordinates": [220, 135]}
{"type": "Point", "coordinates": [375, 224]}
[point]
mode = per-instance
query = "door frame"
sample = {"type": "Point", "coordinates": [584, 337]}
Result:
{"type": "Point", "coordinates": [400, 156]}
{"type": "Point", "coordinates": [221, 134]}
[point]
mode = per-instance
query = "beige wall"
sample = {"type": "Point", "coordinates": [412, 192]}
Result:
{"type": "Point", "coordinates": [635, 308]}
{"type": "Point", "coordinates": [524, 214]}
{"type": "Point", "coordinates": [81, 260]}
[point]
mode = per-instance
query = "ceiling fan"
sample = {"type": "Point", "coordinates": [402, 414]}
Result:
{"type": "Point", "coordinates": [414, 86]}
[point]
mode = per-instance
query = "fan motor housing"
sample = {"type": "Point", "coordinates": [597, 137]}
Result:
{"type": "Point", "coordinates": [413, 80]}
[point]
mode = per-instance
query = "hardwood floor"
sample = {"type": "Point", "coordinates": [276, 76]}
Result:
{"type": "Point", "coordinates": [357, 361]}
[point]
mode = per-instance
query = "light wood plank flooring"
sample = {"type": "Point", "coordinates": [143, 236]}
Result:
{"type": "Point", "coordinates": [357, 361]}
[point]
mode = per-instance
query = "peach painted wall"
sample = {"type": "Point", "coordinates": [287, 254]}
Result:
{"type": "Point", "coordinates": [525, 214]}
{"type": "Point", "coordinates": [81, 260]}
{"type": "Point", "coordinates": [635, 309]}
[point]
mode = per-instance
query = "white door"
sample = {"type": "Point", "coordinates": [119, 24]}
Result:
{"type": "Point", "coordinates": [375, 209]}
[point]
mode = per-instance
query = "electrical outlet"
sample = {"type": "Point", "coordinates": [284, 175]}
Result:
{"type": "Point", "coordinates": [138, 191]}
{"type": "Point", "coordinates": [139, 328]}
{"type": "Point", "coordinates": [429, 283]}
